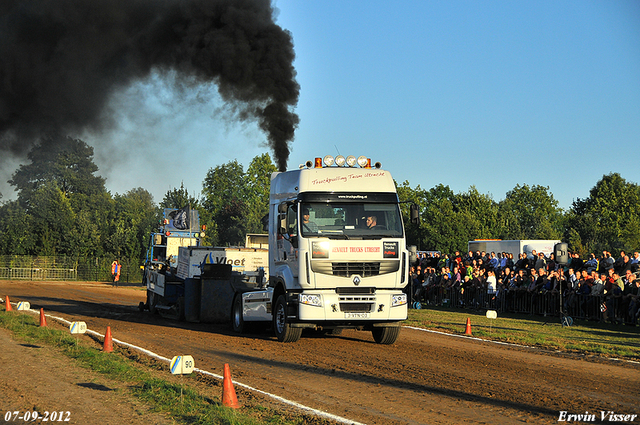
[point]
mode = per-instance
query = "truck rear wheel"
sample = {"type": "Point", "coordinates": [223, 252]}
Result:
{"type": "Point", "coordinates": [386, 334]}
{"type": "Point", "coordinates": [237, 321]}
{"type": "Point", "coordinates": [281, 326]}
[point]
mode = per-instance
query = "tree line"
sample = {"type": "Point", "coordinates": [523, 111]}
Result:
{"type": "Point", "coordinates": [63, 209]}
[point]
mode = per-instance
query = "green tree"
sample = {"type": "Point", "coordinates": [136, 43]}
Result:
{"type": "Point", "coordinates": [179, 198]}
{"type": "Point", "coordinates": [53, 219]}
{"type": "Point", "coordinates": [136, 215]}
{"type": "Point", "coordinates": [440, 227]}
{"type": "Point", "coordinates": [608, 218]}
{"type": "Point", "coordinates": [530, 212]}
{"type": "Point", "coordinates": [94, 218]}
{"type": "Point", "coordinates": [479, 213]}
{"type": "Point", "coordinates": [67, 209]}
{"type": "Point", "coordinates": [65, 205]}
{"type": "Point", "coordinates": [231, 222]}
{"type": "Point", "coordinates": [62, 160]}
{"type": "Point", "coordinates": [258, 181]}
{"type": "Point", "coordinates": [236, 200]}
{"type": "Point", "coordinates": [222, 184]}
{"type": "Point", "coordinates": [16, 235]}
{"type": "Point", "coordinates": [407, 195]}
{"type": "Point", "coordinates": [448, 220]}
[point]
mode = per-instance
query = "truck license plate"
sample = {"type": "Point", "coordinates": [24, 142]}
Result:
{"type": "Point", "coordinates": [356, 315]}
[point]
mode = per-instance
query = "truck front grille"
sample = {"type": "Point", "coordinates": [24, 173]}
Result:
{"type": "Point", "coordinates": [361, 269]}
{"type": "Point", "coordinates": [355, 290]}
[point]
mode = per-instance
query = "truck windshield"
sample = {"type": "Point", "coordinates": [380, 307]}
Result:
{"type": "Point", "coordinates": [350, 220]}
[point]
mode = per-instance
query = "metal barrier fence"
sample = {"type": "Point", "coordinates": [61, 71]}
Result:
{"type": "Point", "coordinates": [587, 307]}
{"type": "Point", "coordinates": [21, 273]}
{"type": "Point", "coordinates": [25, 267]}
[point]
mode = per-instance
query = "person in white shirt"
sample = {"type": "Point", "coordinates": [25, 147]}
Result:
{"type": "Point", "coordinates": [491, 282]}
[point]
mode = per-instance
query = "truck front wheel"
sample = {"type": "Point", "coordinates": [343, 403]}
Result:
{"type": "Point", "coordinates": [386, 334]}
{"type": "Point", "coordinates": [281, 326]}
{"type": "Point", "coordinates": [236, 315]}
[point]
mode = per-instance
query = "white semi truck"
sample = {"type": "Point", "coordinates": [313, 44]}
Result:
{"type": "Point", "coordinates": [337, 256]}
{"type": "Point", "coordinates": [337, 253]}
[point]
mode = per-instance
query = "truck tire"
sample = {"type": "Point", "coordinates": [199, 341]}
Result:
{"type": "Point", "coordinates": [386, 334]}
{"type": "Point", "coordinates": [281, 326]}
{"type": "Point", "coordinates": [151, 301]}
{"type": "Point", "coordinates": [237, 321]}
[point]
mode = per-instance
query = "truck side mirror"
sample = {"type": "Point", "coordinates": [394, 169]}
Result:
{"type": "Point", "coordinates": [265, 223]}
{"type": "Point", "coordinates": [413, 255]}
{"type": "Point", "coordinates": [415, 215]}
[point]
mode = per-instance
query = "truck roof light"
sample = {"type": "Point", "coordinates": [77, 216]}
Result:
{"type": "Point", "coordinates": [328, 161]}
{"type": "Point", "coordinates": [340, 161]}
{"type": "Point", "coordinates": [363, 161]}
{"type": "Point", "coordinates": [168, 233]}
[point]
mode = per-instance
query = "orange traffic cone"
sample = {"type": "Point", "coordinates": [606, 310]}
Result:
{"type": "Point", "coordinates": [8, 306]}
{"type": "Point", "coordinates": [43, 320]}
{"type": "Point", "coordinates": [467, 331]}
{"type": "Point", "coordinates": [229, 398]}
{"type": "Point", "coordinates": [108, 344]}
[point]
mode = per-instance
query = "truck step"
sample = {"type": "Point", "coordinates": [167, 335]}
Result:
{"type": "Point", "coordinates": [164, 307]}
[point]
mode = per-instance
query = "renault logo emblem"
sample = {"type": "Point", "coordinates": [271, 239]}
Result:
{"type": "Point", "coordinates": [356, 280]}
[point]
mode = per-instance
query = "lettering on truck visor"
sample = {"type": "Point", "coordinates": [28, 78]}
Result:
{"type": "Point", "coordinates": [323, 249]}
{"type": "Point", "coordinates": [347, 249]}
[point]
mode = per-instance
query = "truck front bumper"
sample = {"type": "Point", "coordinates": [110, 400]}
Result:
{"type": "Point", "coordinates": [382, 306]}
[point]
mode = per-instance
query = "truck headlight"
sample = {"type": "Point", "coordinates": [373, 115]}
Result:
{"type": "Point", "coordinates": [313, 300]}
{"type": "Point", "coordinates": [397, 300]}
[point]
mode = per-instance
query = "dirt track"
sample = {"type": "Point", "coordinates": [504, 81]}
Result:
{"type": "Point", "coordinates": [422, 378]}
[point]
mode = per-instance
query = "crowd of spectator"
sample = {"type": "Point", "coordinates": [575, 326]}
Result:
{"type": "Point", "coordinates": [597, 287]}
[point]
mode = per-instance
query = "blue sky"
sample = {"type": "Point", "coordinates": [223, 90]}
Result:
{"type": "Point", "coordinates": [491, 94]}
{"type": "Point", "coordinates": [461, 93]}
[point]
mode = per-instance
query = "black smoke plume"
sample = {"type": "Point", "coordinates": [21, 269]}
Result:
{"type": "Point", "coordinates": [60, 60]}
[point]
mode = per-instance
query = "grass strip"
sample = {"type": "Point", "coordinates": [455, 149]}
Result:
{"type": "Point", "coordinates": [585, 337]}
{"type": "Point", "coordinates": [182, 402]}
